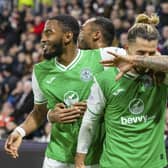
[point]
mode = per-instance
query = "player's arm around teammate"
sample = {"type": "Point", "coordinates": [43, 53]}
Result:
{"type": "Point", "coordinates": [61, 114]}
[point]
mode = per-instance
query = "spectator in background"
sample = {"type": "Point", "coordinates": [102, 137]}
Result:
{"type": "Point", "coordinates": [18, 105]}
{"type": "Point", "coordinates": [15, 95]}
{"type": "Point", "coordinates": [20, 64]}
{"type": "Point", "coordinates": [9, 81]}
{"type": "Point", "coordinates": [25, 103]}
{"type": "Point", "coordinates": [163, 44]}
{"type": "Point", "coordinates": [123, 42]}
{"type": "Point", "coordinates": [5, 118]}
{"type": "Point", "coordinates": [38, 26]}
{"type": "Point", "coordinates": [13, 31]}
{"type": "Point", "coordinates": [150, 9]}
{"type": "Point", "coordinates": [163, 13]}
{"type": "Point", "coordinates": [140, 6]}
{"type": "Point", "coordinates": [118, 27]}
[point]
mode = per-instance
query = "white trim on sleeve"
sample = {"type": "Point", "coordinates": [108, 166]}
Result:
{"type": "Point", "coordinates": [39, 97]}
{"type": "Point", "coordinates": [95, 104]}
{"type": "Point", "coordinates": [106, 56]}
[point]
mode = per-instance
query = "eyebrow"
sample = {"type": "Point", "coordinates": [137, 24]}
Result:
{"type": "Point", "coordinates": [47, 30]}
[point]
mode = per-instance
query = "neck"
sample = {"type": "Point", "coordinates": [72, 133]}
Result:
{"type": "Point", "coordinates": [99, 45]}
{"type": "Point", "coordinates": [69, 54]}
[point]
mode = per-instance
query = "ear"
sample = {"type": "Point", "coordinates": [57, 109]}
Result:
{"type": "Point", "coordinates": [68, 37]}
{"type": "Point", "coordinates": [96, 35]}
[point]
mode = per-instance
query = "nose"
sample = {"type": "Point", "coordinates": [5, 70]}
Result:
{"type": "Point", "coordinates": [147, 54]}
{"type": "Point", "coordinates": [42, 43]}
{"type": "Point", "coordinates": [43, 39]}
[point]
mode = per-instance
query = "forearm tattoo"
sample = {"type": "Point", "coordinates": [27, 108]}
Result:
{"type": "Point", "coordinates": [156, 63]}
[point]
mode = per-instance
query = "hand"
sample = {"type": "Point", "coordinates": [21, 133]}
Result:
{"type": "Point", "coordinates": [79, 160]}
{"type": "Point", "coordinates": [12, 144]}
{"type": "Point", "coordinates": [124, 63]}
{"type": "Point", "coordinates": [82, 106]}
{"type": "Point", "coordinates": [61, 114]}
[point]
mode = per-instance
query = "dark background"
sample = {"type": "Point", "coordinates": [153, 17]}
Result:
{"type": "Point", "coordinates": [31, 156]}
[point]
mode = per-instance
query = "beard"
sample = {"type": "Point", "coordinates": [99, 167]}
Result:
{"type": "Point", "coordinates": [57, 51]}
{"type": "Point", "coordinates": [157, 77]}
{"type": "Point", "coordinates": [141, 70]}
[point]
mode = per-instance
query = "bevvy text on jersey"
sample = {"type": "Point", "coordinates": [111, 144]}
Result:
{"type": "Point", "coordinates": [136, 109]}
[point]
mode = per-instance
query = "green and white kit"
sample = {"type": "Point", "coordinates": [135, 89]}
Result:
{"type": "Point", "coordinates": [134, 116]}
{"type": "Point", "coordinates": [54, 83]}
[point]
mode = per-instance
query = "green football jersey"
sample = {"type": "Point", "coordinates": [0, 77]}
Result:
{"type": "Point", "coordinates": [134, 117]}
{"type": "Point", "coordinates": [70, 84]}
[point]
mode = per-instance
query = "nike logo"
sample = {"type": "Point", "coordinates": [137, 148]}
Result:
{"type": "Point", "coordinates": [50, 80]}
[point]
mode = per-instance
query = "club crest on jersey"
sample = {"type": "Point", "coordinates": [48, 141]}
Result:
{"type": "Point", "coordinates": [136, 106]}
{"type": "Point", "coordinates": [86, 74]}
{"type": "Point", "coordinates": [70, 98]}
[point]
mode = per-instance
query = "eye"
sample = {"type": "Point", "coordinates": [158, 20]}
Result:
{"type": "Point", "coordinates": [140, 52]}
{"type": "Point", "coordinates": [152, 53]}
{"type": "Point", "coordinates": [47, 32]}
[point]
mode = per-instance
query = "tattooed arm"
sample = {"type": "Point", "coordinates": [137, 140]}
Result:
{"type": "Point", "coordinates": [156, 63]}
{"type": "Point", "coordinates": [126, 63]}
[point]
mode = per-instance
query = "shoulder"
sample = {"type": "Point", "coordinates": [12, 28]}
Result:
{"type": "Point", "coordinates": [44, 65]}
{"type": "Point", "coordinates": [90, 53]}
{"type": "Point", "coordinates": [114, 49]}
{"type": "Point", "coordinates": [107, 76]}
{"type": "Point", "coordinates": [105, 55]}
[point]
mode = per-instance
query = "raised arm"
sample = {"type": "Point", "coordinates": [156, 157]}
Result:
{"type": "Point", "coordinates": [126, 63]}
{"type": "Point", "coordinates": [156, 63]}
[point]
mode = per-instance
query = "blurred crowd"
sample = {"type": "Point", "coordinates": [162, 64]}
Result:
{"type": "Point", "coordinates": [21, 25]}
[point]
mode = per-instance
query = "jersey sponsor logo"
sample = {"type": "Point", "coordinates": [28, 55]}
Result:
{"type": "Point", "coordinates": [86, 74]}
{"type": "Point", "coordinates": [136, 106]}
{"type": "Point", "coordinates": [136, 119]}
{"type": "Point", "coordinates": [51, 80]}
{"type": "Point", "coordinates": [133, 120]}
{"type": "Point", "coordinates": [70, 98]}
{"type": "Point", "coordinates": [117, 92]}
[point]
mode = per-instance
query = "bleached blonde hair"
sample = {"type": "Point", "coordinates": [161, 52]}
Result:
{"type": "Point", "coordinates": [144, 27]}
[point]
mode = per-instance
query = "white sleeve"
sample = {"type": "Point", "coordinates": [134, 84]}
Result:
{"type": "Point", "coordinates": [39, 97]}
{"type": "Point", "coordinates": [95, 109]}
{"type": "Point", "coordinates": [106, 56]}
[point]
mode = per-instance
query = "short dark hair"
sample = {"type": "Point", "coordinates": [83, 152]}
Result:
{"type": "Point", "coordinates": [107, 29]}
{"type": "Point", "coordinates": [69, 23]}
